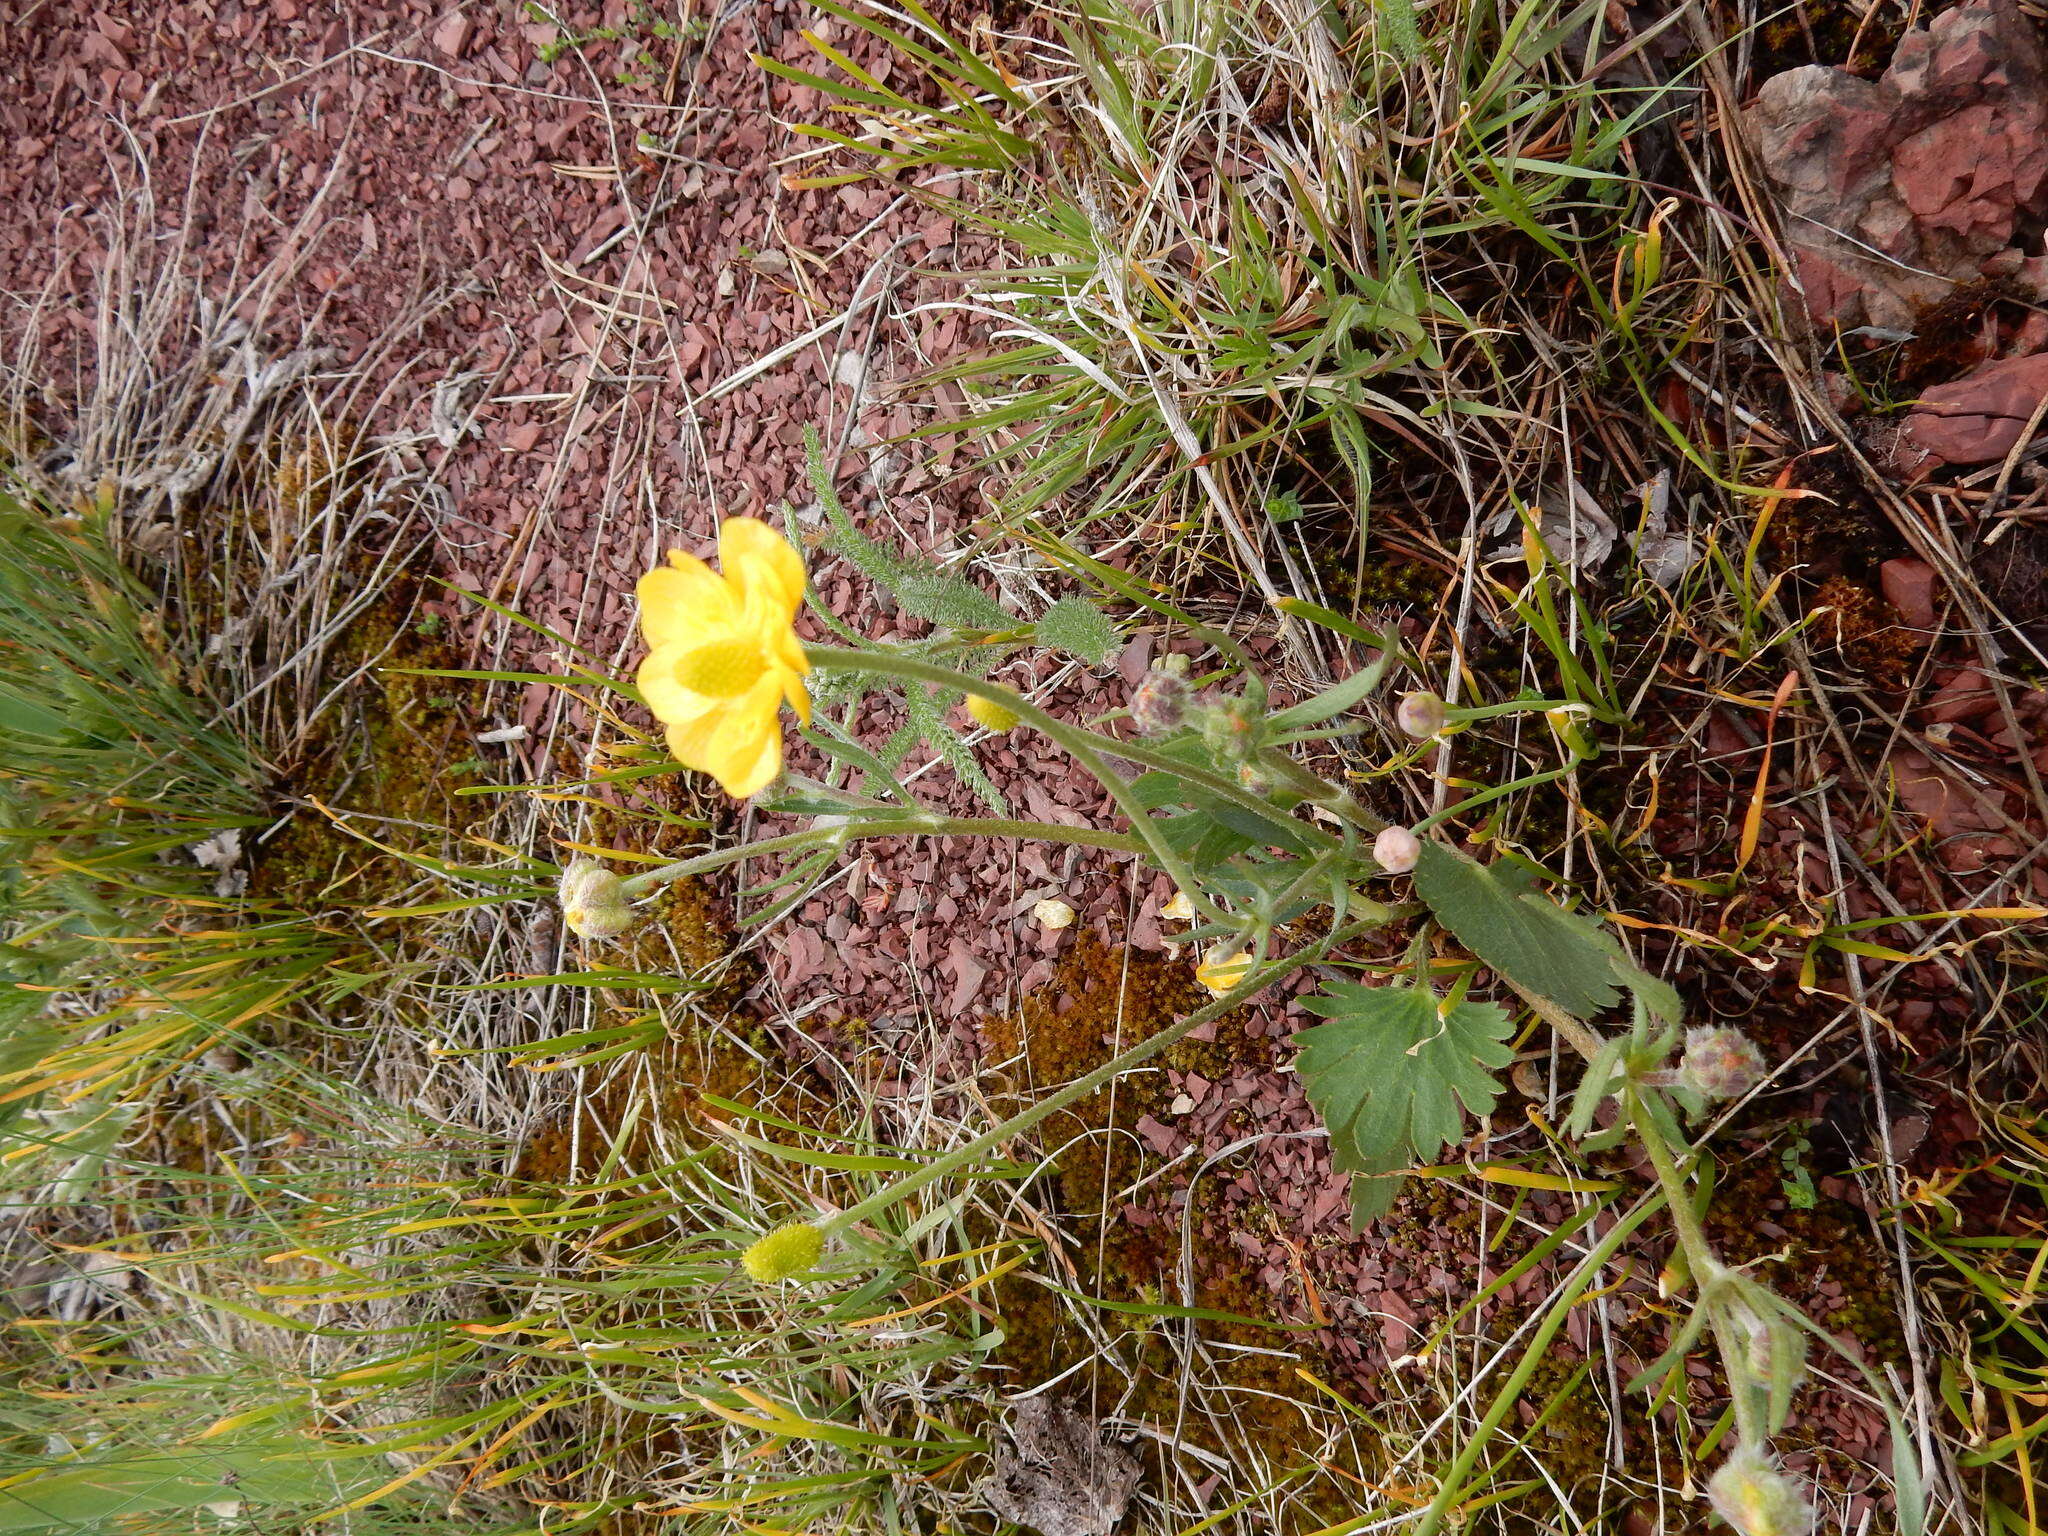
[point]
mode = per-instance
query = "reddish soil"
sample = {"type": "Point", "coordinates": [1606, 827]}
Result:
{"type": "Point", "coordinates": [596, 257]}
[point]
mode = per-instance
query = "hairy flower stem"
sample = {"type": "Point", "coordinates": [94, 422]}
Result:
{"type": "Point", "coordinates": [1685, 1221]}
{"type": "Point", "coordinates": [895, 824]}
{"type": "Point", "coordinates": [1692, 1235]}
{"type": "Point", "coordinates": [1700, 1257]}
{"type": "Point", "coordinates": [1086, 747]}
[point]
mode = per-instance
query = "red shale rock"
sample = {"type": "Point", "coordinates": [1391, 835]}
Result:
{"type": "Point", "coordinates": [1898, 189]}
{"type": "Point", "coordinates": [1976, 419]}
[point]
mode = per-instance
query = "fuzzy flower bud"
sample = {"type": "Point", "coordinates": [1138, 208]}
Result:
{"type": "Point", "coordinates": [1254, 778]}
{"type": "Point", "coordinates": [1420, 715]}
{"type": "Point", "coordinates": [1223, 968]}
{"type": "Point", "coordinates": [1396, 849]}
{"type": "Point", "coordinates": [1719, 1063]}
{"type": "Point", "coordinates": [785, 1253]}
{"type": "Point", "coordinates": [990, 714]}
{"type": "Point", "coordinates": [1160, 702]}
{"type": "Point", "coordinates": [594, 903]}
{"type": "Point", "coordinates": [1230, 729]}
{"type": "Point", "coordinates": [1754, 1497]}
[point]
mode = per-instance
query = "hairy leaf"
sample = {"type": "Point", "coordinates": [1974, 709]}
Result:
{"type": "Point", "coordinates": [925, 589]}
{"type": "Point", "coordinates": [1496, 912]}
{"type": "Point", "coordinates": [1393, 1073]}
{"type": "Point", "coordinates": [943, 598]}
{"type": "Point", "coordinates": [1078, 627]}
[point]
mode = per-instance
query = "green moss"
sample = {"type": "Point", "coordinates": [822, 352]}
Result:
{"type": "Point", "coordinates": [1098, 1000]}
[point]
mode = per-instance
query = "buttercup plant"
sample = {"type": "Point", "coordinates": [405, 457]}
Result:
{"type": "Point", "coordinates": [1217, 806]}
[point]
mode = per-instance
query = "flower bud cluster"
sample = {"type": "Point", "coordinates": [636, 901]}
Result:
{"type": "Point", "coordinates": [1159, 704]}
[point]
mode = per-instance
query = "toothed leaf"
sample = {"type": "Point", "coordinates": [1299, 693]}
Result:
{"type": "Point", "coordinates": [1393, 1075]}
{"type": "Point", "coordinates": [1496, 912]}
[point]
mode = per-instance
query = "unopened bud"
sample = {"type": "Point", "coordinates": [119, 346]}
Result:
{"type": "Point", "coordinates": [1160, 702]}
{"type": "Point", "coordinates": [988, 713]}
{"type": "Point", "coordinates": [1753, 1496]}
{"type": "Point", "coordinates": [1230, 729]}
{"type": "Point", "coordinates": [1254, 778]}
{"type": "Point", "coordinates": [1720, 1063]}
{"type": "Point", "coordinates": [594, 903]}
{"type": "Point", "coordinates": [1420, 715]}
{"type": "Point", "coordinates": [1396, 849]}
{"type": "Point", "coordinates": [784, 1253]}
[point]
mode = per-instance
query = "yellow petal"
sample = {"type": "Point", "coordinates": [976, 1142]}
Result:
{"type": "Point", "coordinates": [739, 743]}
{"type": "Point", "coordinates": [746, 775]}
{"type": "Point", "coordinates": [759, 562]}
{"type": "Point", "coordinates": [682, 600]}
{"type": "Point", "coordinates": [672, 703]}
{"type": "Point", "coordinates": [799, 696]}
{"type": "Point", "coordinates": [790, 651]}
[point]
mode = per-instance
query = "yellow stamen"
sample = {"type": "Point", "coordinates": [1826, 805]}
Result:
{"type": "Point", "coordinates": [722, 669]}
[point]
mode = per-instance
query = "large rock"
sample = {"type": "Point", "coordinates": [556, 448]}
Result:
{"type": "Point", "coordinates": [1976, 419]}
{"type": "Point", "coordinates": [1898, 189]}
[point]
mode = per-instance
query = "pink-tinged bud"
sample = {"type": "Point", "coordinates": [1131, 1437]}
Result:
{"type": "Point", "coordinates": [1720, 1063]}
{"type": "Point", "coordinates": [1754, 1497]}
{"type": "Point", "coordinates": [1160, 702]}
{"type": "Point", "coordinates": [1420, 715]}
{"type": "Point", "coordinates": [1396, 849]}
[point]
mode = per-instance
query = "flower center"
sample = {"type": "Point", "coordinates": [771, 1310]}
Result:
{"type": "Point", "coordinates": [721, 669]}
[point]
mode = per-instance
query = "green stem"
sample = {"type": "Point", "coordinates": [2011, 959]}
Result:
{"type": "Point", "coordinates": [910, 1183]}
{"type": "Point", "coordinates": [1700, 1257]}
{"type": "Point", "coordinates": [1582, 1037]}
{"type": "Point", "coordinates": [899, 824]}
{"type": "Point", "coordinates": [1080, 744]}
{"type": "Point", "coordinates": [1692, 1236]}
{"type": "Point", "coordinates": [1083, 743]}
{"type": "Point", "coordinates": [1473, 802]}
{"type": "Point", "coordinates": [1534, 1354]}
{"type": "Point", "coordinates": [1320, 791]}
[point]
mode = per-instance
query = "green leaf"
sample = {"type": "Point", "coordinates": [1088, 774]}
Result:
{"type": "Point", "coordinates": [1339, 698]}
{"type": "Point", "coordinates": [1393, 1073]}
{"type": "Point", "coordinates": [1496, 912]}
{"type": "Point", "coordinates": [1078, 627]}
{"type": "Point", "coordinates": [142, 1483]}
{"type": "Point", "coordinates": [925, 589]}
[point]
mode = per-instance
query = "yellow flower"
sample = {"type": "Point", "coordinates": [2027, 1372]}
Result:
{"type": "Point", "coordinates": [1223, 968]}
{"type": "Point", "coordinates": [723, 656]}
{"type": "Point", "coordinates": [785, 1253]}
{"type": "Point", "coordinates": [989, 713]}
